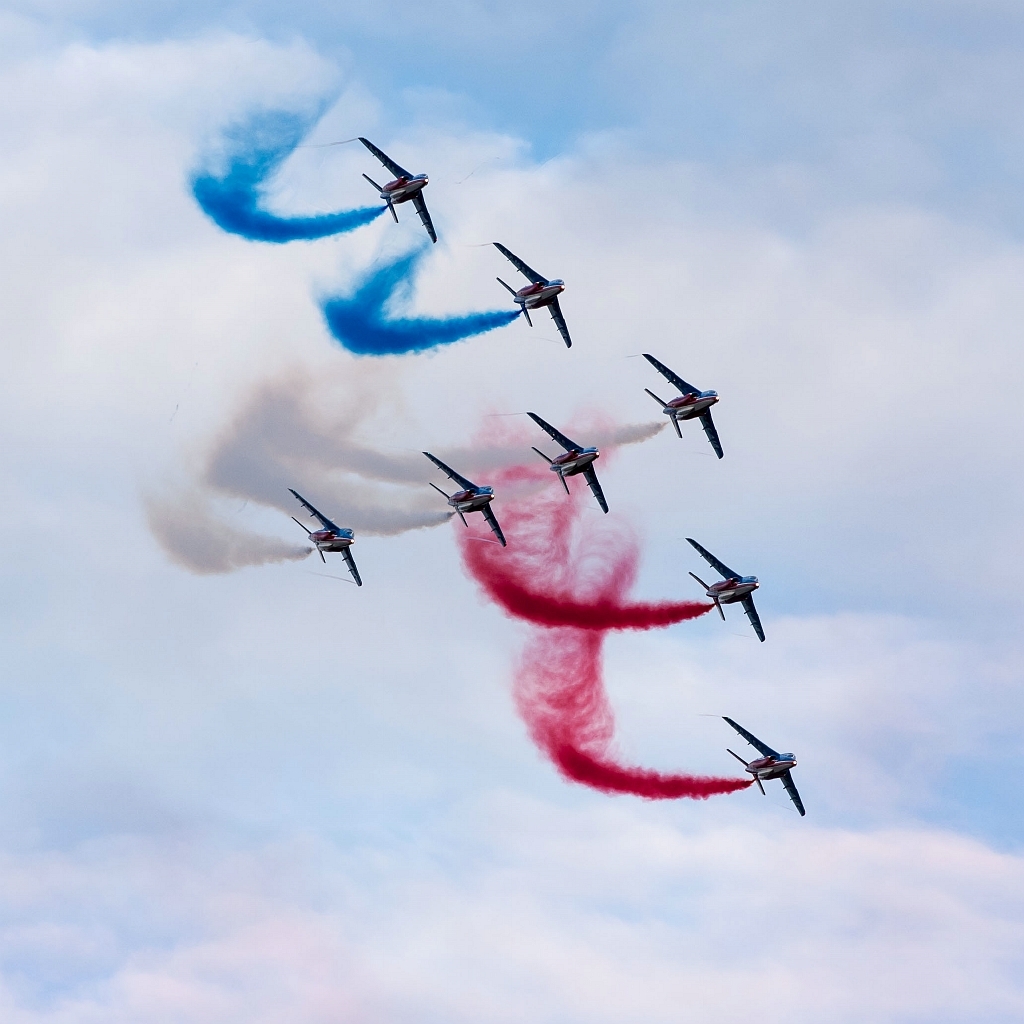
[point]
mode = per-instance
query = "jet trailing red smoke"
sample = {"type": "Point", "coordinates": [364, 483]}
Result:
{"type": "Point", "coordinates": [571, 580]}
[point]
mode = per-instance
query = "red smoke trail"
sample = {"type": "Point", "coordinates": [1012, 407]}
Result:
{"type": "Point", "coordinates": [573, 583]}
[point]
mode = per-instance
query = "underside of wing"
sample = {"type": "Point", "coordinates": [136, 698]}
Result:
{"type": "Point", "coordinates": [523, 269]}
{"type": "Point", "coordinates": [755, 621]}
{"type": "Point", "coordinates": [467, 485]}
{"type": "Point", "coordinates": [714, 562]}
{"type": "Point", "coordinates": [556, 315]}
{"type": "Point", "coordinates": [397, 170]}
{"type": "Point", "coordinates": [787, 781]}
{"type": "Point", "coordinates": [590, 475]}
{"type": "Point", "coordinates": [686, 389]}
{"type": "Point", "coordinates": [351, 563]}
{"type": "Point", "coordinates": [324, 521]}
{"type": "Point", "coordinates": [556, 435]}
{"type": "Point", "coordinates": [492, 522]}
{"type": "Point", "coordinates": [753, 740]}
{"type": "Point", "coordinates": [709, 428]}
{"type": "Point", "coordinates": [420, 205]}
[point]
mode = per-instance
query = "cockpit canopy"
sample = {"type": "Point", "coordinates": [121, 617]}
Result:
{"type": "Point", "coordinates": [748, 579]}
{"type": "Point", "coordinates": [556, 280]}
{"type": "Point", "coordinates": [346, 533]}
{"type": "Point", "coordinates": [709, 394]}
{"type": "Point", "coordinates": [787, 757]}
{"type": "Point", "coordinates": [485, 490]}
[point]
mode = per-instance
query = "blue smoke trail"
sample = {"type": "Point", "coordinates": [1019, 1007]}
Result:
{"type": "Point", "coordinates": [254, 150]}
{"type": "Point", "coordinates": [358, 321]}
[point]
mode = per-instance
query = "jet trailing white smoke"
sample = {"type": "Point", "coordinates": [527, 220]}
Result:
{"type": "Point", "coordinates": [305, 431]}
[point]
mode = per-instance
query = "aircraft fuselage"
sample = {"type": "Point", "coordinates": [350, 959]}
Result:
{"type": "Point", "coordinates": [688, 407]}
{"type": "Point", "coordinates": [471, 501]}
{"type": "Point", "coordinates": [533, 296]}
{"type": "Point", "coordinates": [574, 462]}
{"type": "Point", "coordinates": [770, 767]}
{"type": "Point", "coordinates": [401, 190]}
{"type": "Point", "coordinates": [328, 540]}
{"type": "Point", "coordinates": [728, 591]}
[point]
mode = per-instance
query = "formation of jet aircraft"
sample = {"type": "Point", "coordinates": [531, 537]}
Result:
{"type": "Point", "coordinates": [404, 188]}
{"type": "Point", "coordinates": [731, 589]}
{"type": "Point", "coordinates": [539, 292]}
{"type": "Point", "coordinates": [691, 403]}
{"type": "Point", "coordinates": [771, 765]}
{"type": "Point", "coordinates": [577, 459]}
{"type": "Point", "coordinates": [470, 499]}
{"type": "Point", "coordinates": [330, 537]}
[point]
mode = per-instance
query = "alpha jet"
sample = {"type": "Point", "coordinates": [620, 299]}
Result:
{"type": "Point", "coordinates": [406, 186]}
{"type": "Point", "coordinates": [690, 405]}
{"type": "Point", "coordinates": [539, 292]}
{"type": "Point", "coordinates": [470, 499]}
{"type": "Point", "coordinates": [576, 459]}
{"type": "Point", "coordinates": [731, 589]}
{"type": "Point", "coordinates": [330, 537]}
{"type": "Point", "coordinates": [772, 765]}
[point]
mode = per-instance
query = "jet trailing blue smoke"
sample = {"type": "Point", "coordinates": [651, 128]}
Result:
{"type": "Point", "coordinates": [233, 196]}
{"type": "Point", "coordinates": [360, 324]}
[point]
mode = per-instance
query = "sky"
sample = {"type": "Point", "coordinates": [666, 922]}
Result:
{"type": "Point", "coordinates": [253, 792]}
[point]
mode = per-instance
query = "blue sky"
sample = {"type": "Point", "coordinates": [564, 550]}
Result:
{"type": "Point", "coordinates": [264, 794]}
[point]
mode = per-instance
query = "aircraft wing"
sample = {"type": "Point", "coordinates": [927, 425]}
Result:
{"type": "Point", "coordinates": [526, 271]}
{"type": "Point", "coordinates": [555, 435]}
{"type": "Point", "coordinates": [753, 740]}
{"type": "Point", "coordinates": [556, 315]}
{"type": "Point", "coordinates": [397, 170]}
{"type": "Point", "coordinates": [465, 484]}
{"type": "Point", "coordinates": [492, 522]}
{"type": "Point", "coordinates": [686, 389]}
{"type": "Point", "coordinates": [421, 208]}
{"type": "Point", "coordinates": [590, 475]}
{"type": "Point", "coordinates": [726, 572]}
{"type": "Point", "coordinates": [709, 428]}
{"type": "Point", "coordinates": [324, 521]}
{"type": "Point", "coordinates": [755, 621]}
{"type": "Point", "coordinates": [351, 563]}
{"type": "Point", "coordinates": [787, 781]}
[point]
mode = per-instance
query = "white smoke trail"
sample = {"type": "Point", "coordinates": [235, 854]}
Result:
{"type": "Point", "coordinates": [303, 431]}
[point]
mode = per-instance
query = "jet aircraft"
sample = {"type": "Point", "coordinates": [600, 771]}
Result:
{"type": "Point", "coordinates": [772, 765]}
{"type": "Point", "coordinates": [539, 292]}
{"type": "Point", "coordinates": [470, 499]}
{"type": "Point", "coordinates": [691, 404]}
{"type": "Point", "coordinates": [406, 186]}
{"type": "Point", "coordinates": [576, 459]}
{"type": "Point", "coordinates": [733, 588]}
{"type": "Point", "coordinates": [330, 537]}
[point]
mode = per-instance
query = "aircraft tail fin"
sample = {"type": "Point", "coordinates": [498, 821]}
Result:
{"type": "Point", "coordinates": [738, 758]}
{"type": "Point", "coordinates": [438, 489]}
{"type": "Point", "coordinates": [373, 183]}
{"type": "Point", "coordinates": [498, 279]}
{"type": "Point", "coordinates": [537, 450]}
{"type": "Point", "coordinates": [655, 397]}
